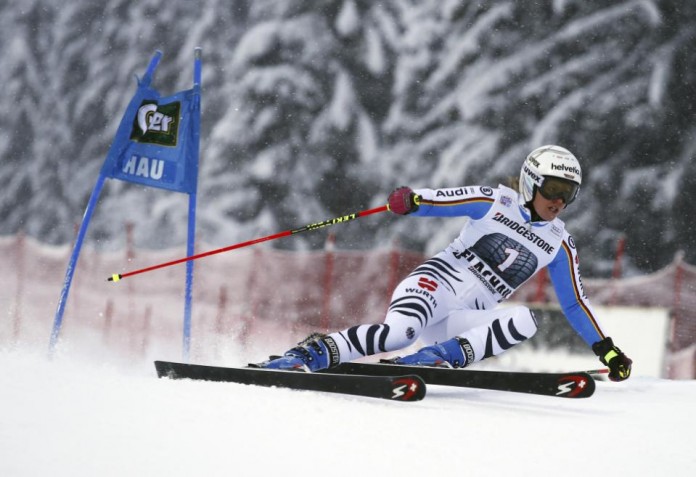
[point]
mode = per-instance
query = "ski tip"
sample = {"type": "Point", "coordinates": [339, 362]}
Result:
{"type": "Point", "coordinates": [114, 278]}
{"type": "Point", "coordinates": [575, 385]}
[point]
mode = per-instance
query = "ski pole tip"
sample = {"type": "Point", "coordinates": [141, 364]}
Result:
{"type": "Point", "coordinates": [114, 278]}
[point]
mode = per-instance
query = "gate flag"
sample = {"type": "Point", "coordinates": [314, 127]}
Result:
{"type": "Point", "coordinates": [156, 145]}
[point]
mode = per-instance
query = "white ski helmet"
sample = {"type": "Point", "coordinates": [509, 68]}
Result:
{"type": "Point", "coordinates": [548, 162]}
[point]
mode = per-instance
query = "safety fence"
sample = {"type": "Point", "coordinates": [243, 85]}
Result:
{"type": "Point", "coordinates": [261, 299]}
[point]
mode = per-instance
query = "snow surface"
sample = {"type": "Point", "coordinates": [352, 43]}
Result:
{"type": "Point", "coordinates": [70, 417]}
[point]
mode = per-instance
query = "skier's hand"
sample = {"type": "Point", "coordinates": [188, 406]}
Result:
{"type": "Point", "coordinates": [619, 364]}
{"type": "Point", "coordinates": [403, 201]}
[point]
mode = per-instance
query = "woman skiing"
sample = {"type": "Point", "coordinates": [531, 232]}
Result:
{"type": "Point", "coordinates": [451, 300]}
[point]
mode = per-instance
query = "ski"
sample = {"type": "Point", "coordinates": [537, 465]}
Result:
{"type": "Point", "coordinates": [401, 387]}
{"type": "Point", "coordinates": [567, 385]}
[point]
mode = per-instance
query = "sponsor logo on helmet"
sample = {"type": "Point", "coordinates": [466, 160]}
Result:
{"type": "Point", "coordinates": [487, 191]}
{"type": "Point", "coordinates": [532, 174]}
{"type": "Point", "coordinates": [564, 168]}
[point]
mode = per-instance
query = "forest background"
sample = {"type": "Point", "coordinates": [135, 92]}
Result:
{"type": "Point", "coordinates": [317, 108]}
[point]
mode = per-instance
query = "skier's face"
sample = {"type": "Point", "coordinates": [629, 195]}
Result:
{"type": "Point", "coordinates": [547, 209]}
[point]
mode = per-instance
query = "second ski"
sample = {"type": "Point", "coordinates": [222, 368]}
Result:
{"type": "Point", "coordinates": [566, 385]}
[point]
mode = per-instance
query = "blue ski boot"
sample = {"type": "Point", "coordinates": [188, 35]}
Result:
{"type": "Point", "coordinates": [454, 353]}
{"type": "Point", "coordinates": [315, 352]}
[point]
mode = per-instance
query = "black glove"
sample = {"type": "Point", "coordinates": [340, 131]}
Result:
{"type": "Point", "coordinates": [619, 364]}
{"type": "Point", "coordinates": [403, 201]}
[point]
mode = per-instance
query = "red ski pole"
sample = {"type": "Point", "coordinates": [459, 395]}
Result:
{"type": "Point", "coordinates": [338, 220]}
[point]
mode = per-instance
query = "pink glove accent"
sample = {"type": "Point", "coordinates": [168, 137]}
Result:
{"type": "Point", "coordinates": [402, 201]}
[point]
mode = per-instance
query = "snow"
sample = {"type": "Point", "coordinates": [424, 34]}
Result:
{"type": "Point", "coordinates": [73, 417]}
{"type": "Point", "coordinates": [348, 19]}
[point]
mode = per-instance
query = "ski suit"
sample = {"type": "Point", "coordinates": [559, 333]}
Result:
{"type": "Point", "coordinates": [456, 292]}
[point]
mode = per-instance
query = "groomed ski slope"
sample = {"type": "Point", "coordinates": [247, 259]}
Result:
{"type": "Point", "coordinates": [70, 418]}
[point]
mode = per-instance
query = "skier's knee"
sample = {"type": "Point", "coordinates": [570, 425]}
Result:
{"type": "Point", "coordinates": [523, 323]}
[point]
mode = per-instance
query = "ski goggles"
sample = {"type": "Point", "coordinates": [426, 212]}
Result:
{"type": "Point", "coordinates": [556, 188]}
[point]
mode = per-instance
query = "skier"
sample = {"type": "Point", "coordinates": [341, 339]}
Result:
{"type": "Point", "coordinates": [451, 299]}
